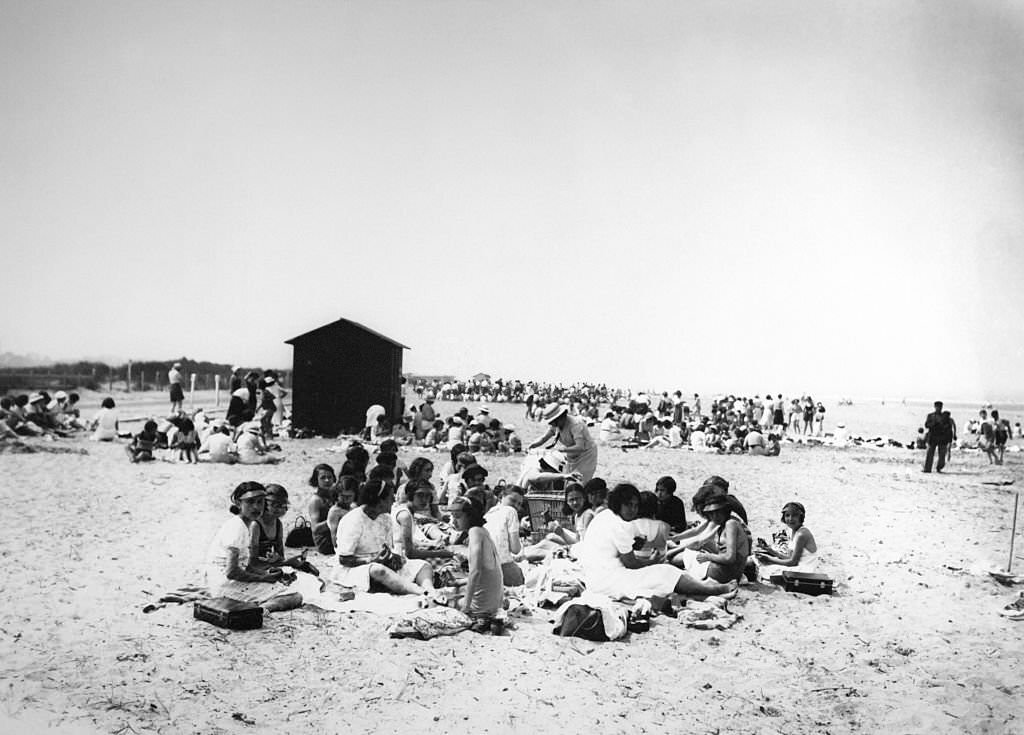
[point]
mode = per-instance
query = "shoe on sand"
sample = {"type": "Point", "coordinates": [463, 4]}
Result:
{"type": "Point", "coordinates": [1015, 609]}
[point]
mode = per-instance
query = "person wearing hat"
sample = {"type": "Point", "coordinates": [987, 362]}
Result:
{"type": "Point", "coordinates": [230, 571]}
{"type": "Point", "coordinates": [218, 445]}
{"type": "Point", "coordinates": [483, 415]}
{"type": "Point", "coordinates": [730, 540]}
{"type": "Point", "coordinates": [174, 379]}
{"type": "Point", "coordinates": [572, 437]}
{"type": "Point", "coordinates": [249, 444]}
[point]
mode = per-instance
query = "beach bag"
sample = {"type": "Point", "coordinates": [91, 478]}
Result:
{"type": "Point", "coordinates": [227, 613]}
{"type": "Point", "coordinates": [300, 536]}
{"type": "Point", "coordinates": [582, 621]}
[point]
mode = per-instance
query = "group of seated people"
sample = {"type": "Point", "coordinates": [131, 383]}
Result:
{"type": "Point", "coordinates": [393, 529]}
{"type": "Point", "coordinates": [38, 414]}
{"type": "Point", "coordinates": [650, 432]}
{"type": "Point", "coordinates": [425, 428]}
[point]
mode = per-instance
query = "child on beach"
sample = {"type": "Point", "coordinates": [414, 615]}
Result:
{"type": "Point", "coordinates": [141, 448]}
{"type": "Point", "coordinates": [802, 554]}
{"type": "Point", "coordinates": [186, 441]}
{"type": "Point", "coordinates": [104, 424]}
{"type": "Point", "coordinates": [347, 488]}
{"type": "Point", "coordinates": [671, 509]}
{"type": "Point", "coordinates": [647, 526]}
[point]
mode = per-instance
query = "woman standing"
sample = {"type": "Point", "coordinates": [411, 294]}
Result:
{"type": "Point", "coordinates": [571, 437]}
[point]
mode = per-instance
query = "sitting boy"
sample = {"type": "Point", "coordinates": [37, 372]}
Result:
{"type": "Point", "coordinates": [141, 448]}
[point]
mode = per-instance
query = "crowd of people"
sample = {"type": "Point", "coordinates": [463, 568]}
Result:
{"type": "Point", "coordinates": [447, 535]}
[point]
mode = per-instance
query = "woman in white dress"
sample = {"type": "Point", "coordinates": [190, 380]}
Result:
{"type": "Point", "coordinates": [610, 566]}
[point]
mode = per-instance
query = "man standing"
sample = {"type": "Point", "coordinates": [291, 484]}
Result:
{"type": "Point", "coordinates": [939, 434]}
{"type": "Point", "coordinates": [177, 393]}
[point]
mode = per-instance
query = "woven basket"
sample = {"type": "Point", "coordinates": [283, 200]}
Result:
{"type": "Point", "coordinates": [544, 508]}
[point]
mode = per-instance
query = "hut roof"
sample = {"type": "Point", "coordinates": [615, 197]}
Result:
{"type": "Point", "coordinates": [375, 333]}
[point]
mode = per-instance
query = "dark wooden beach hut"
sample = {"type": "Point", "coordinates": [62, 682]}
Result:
{"type": "Point", "coordinates": [339, 371]}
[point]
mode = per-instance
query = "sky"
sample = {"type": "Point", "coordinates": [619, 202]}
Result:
{"type": "Point", "coordinates": [741, 197]}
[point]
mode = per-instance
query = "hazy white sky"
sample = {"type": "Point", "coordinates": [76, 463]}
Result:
{"type": "Point", "coordinates": [743, 196]}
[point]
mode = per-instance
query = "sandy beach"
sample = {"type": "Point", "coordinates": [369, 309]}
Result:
{"type": "Point", "coordinates": [910, 642]}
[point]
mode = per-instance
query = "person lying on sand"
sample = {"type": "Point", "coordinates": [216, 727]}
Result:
{"type": "Point", "coordinates": [229, 572]}
{"type": "Point", "coordinates": [364, 548]}
{"type": "Point", "coordinates": [803, 549]}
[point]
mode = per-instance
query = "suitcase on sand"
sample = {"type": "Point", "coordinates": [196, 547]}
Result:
{"type": "Point", "coordinates": [807, 583]}
{"type": "Point", "coordinates": [227, 613]}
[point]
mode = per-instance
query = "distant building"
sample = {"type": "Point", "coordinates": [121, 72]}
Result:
{"type": "Point", "coordinates": [482, 377]}
{"type": "Point", "coordinates": [339, 371]}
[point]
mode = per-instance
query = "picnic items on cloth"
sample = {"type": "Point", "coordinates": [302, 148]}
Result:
{"type": "Point", "coordinates": [430, 622]}
{"type": "Point", "coordinates": [227, 613]}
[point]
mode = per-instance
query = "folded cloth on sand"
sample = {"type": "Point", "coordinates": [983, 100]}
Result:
{"type": "Point", "coordinates": [430, 623]}
{"type": "Point", "coordinates": [712, 614]}
{"type": "Point", "coordinates": [188, 593]}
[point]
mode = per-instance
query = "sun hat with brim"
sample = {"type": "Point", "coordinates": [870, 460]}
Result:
{"type": "Point", "coordinates": [510, 427]}
{"type": "Point", "coordinates": [552, 413]}
{"type": "Point", "coordinates": [553, 459]}
{"type": "Point", "coordinates": [241, 393]}
{"type": "Point", "coordinates": [35, 397]}
{"type": "Point", "coordinates": [719, 503]}
{"type": "Point", "coordinates": [60, 395]}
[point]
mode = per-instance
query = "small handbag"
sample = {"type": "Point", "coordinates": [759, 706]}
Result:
{"type": "Point", "coordinates": [582, 621]}
{"type": "Point", "coordinates": [300, 536]}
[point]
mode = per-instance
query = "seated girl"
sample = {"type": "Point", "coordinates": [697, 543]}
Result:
{"type": "Point", "coordinates": [267, 532]}
{"type": "Point", "coordinates": [559, 536]}
{"type": "Point", "coordinates": [732, 545]}
{"type": "Point", "coordinates": [653, 532]}
{"type": "Point", "coordinates": [143, 443]}
{"type": "Point", "coordinates": [410, 539]}
{"type": "Point", "coordinates": [365, 536]}
{"type": "Point", "coordinates": [229, 572]}
{"type": "Point", "coordinates": [684, 546]}
{"type": "Point", "coordinates": [347, 488]}
{"type": "Point", "coordinates": [104, 424]}
{"type": "Point", "coordinates": [502, 523]}
{"type": "Point", "coordinates": [319, 504]}
{"type": "Point", "coordinates": [802, 555]}
{"type": "Point", "coordinates": [483, 592]}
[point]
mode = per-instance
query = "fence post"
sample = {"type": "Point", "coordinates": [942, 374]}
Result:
{"type": "Point", "coordinates": [216, 390]}
{"type": "Point", "coordinates": [128, 379]}
{"type": "Point", "coordinates": [192, 392]}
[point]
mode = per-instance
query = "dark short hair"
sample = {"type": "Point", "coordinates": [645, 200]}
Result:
{"type": "Point", "coordinates": [596, 485]}
{"type": "Point", "coordinates": [668, 482]}
{"type": "Point", "coordinates": [620, 495]}
{"type": "Point", "coordinates": [108, 402]}
{"type": "Point", "coordinates": [455, 451]}
{"type": "Point", "coordinates": [348, 483]}
{"type": "Point", "coordinates": [702, 496]}
{"type": "Point", "coordinates": [648, 505]}
{"type": "Point", "coordinates": [381, 472]}
{"type": "Point", "coordinates": [389, 459]}
{"type": "Point", "coordinates": [358, 456]}
{"type": "Point", "coordinates": [352, 469]}
{"type": "Point", "coordinates": [388, 445]}
{"type": "Point", "coordinates": [149, 425]}
{"type": "Point", "coordinates": [72, 397]}
{"type": "Point", "coordinates": [718, 482]}
{"type": "Point", "coordinates": [372, 491]}
{"type": "Point", "coordinates": [277, 491]}
{"type": "Point", "coordinates": [418, 466]}
{"type": "Point", "coordinates": [316, 471]}
{"type": "Point", "coordinates": [241, 490]}
{"type": "Point", "coordinates": [413, 486]}
{"type": "Point", "coordinates": [574, 487]}
{"type": "Point", "coordinates": [474, 509]}
{"type": "Point", "coordinates": [795, 507]}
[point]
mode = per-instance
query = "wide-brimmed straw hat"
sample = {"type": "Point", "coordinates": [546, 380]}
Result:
{"type": "Point", "coordinates": [551, 413]}
{"type": "Point", "coordinates": [553, 459]}
{"type": "Point", "coordinates": [717, 503]}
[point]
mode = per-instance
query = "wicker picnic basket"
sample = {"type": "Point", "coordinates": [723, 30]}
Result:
{"type": "Point", "coordinates": [544, 508]}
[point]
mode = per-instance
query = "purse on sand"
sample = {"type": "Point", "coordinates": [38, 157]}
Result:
{"type": "Point", "coordinates": [300, 536]}
{"type": "Point", "coordinates": [582, 621]}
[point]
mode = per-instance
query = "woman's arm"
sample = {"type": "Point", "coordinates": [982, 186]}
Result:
{"type": "Point", "coordinates": [515, 545]}
{"type": "Point", "coordinates": [405, 523]}
{"type": "Point", "coordinates": [731, 544]}
{"type": "Point", "coordinates": [476, 563]}
{"type": "Point", "coordinates": [233, 571]}
{"type": "Point", "coordinates": [316, 510]}
{"type": "Point", "coordinates": [800, 542]}
{"type": "Point", "coordinates": [690, 533]}
{"type": "Point", "coordinates": [550, 433]}
{"type": "Point", "coordinates": [630, 560]}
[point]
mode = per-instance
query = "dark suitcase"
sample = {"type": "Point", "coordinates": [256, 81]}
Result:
{"type": "Point", "coordinates": [807, 583]}
{"type": "Point", "coordinates": [227, 613]}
